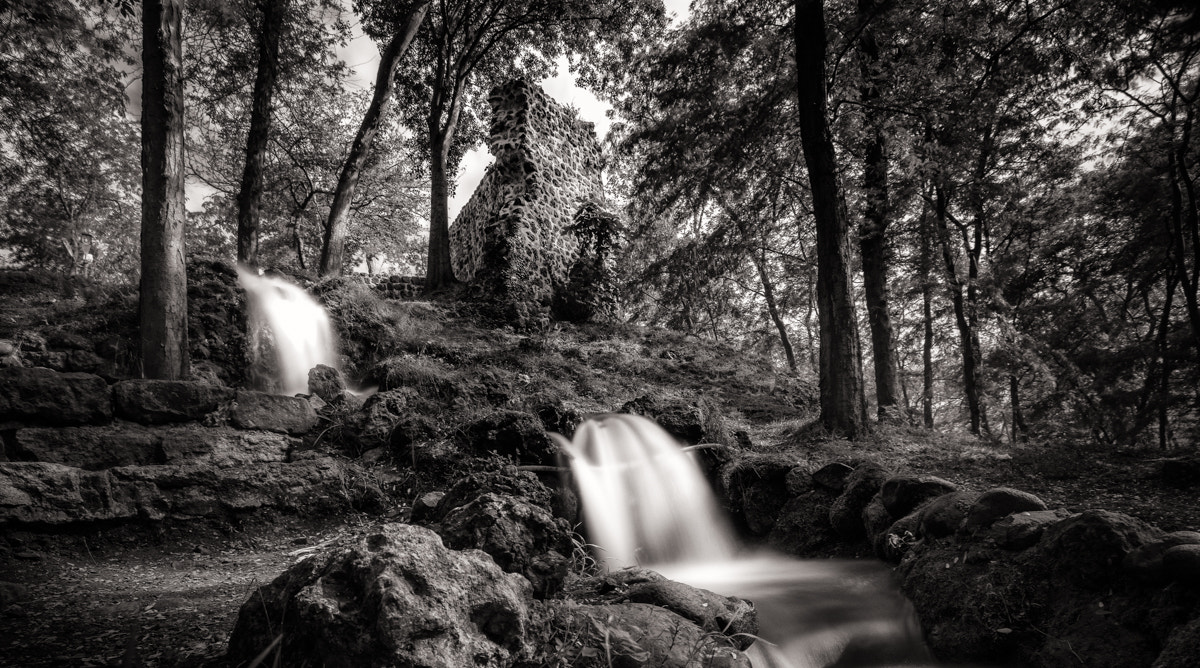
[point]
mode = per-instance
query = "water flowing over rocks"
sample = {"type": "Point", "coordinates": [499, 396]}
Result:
{"type": "Point", "coordinates": [998, 577]}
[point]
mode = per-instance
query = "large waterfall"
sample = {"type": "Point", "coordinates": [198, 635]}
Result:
{"type": "Point", "coordinates": [646, 503]}
{"type": "Point", "coordinates": [285, 319]}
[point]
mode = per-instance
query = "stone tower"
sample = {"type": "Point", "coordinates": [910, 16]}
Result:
{"type": "Point", "coordinates": [511, 240]}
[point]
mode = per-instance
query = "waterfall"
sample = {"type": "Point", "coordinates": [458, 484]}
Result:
{"type": "Point", "coordinates": [646, 502]}
{"type": "Point", "coordinates": [284, 318]}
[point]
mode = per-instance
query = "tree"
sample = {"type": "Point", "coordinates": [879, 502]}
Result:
{"type": "Point", "coordinates": [163, 304]}
{"type": "Point", "coordinates": [333, 246]}
{"type": "Point", "coordinates": [250, 196]}
{"type": "Point", "coordinates": [843, 408]}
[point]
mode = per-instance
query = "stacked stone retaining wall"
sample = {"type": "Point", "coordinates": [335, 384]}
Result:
{"type": "Point", "coordinates": [511, 239]}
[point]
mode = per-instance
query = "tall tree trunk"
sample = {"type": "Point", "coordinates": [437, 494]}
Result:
{"type": "Point", "coordinates": [162, 308]}
{"type": "Point", "coordinates": [1185, 226]}
{"type": "Point", "coordinates": [1163, 398]}
{"type": "Point", "coordinates": [773, 310]}
{"type": "Point", "coordinates": [334, 247]}
{"type": "Point", "coordinates": [438, 270]}
{"type": "Point", "coordinates": [843, 407]}
{"type": "Point", "coordinates": [965, 337]}
{"type": "Point", "coordinates": [873, 232]}
{"type": "Point", "coordinates": [250, 196]}
{"type": "Point", "coordinates": [1018, 415]}
{"type": "Point", "coordinates": [927, 318]}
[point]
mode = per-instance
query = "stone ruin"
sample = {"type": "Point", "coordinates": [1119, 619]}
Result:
{"type": "Point", "coordinates": [512, 240]}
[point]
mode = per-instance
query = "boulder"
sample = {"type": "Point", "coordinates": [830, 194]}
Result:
{"type": "Point", "coordinates": [802, 528]}
{"type": "Point", "coordinates": [45, 493]}
{"type": "Point", "coordinates": [1023, 530]}
{"type": "Point", "coordinates": [326, 382]}
{"type": "Point", "coordinates": [713, 613]}
{"type": "Point", "coordinates": [944, 515]}
{"type": "Point", "coordinates": [632, 635]}
{"type": "Point", "coordinates": [398, 597]}
{"type": "Point", "coordinates": [833, 476]}
{"type": "Point", "coordinates": [521, 537]}
{"type": "Point", "coordinates": [691, 422]}
{"type": "Point", "coordinates": [755, 489]}
{"type": "Point", "coordinates": [273, 412]}
{"type": "Point", "coordinates": [508, 481]}
{"type": "Point", "coordinates": [223, 446]}
{"type": "Point", "coordinates": [1146, 561]}
{"type": "Point", "coordinates": [797, 481]}
{"type": "Point", "coordinates": [514, 434]}
{"type": "Point", "coordinates": [372, 426]}
{"type": "Point", "coordinates": [845, 515]}
{"type": "Point", "coordinates": [1182, 563]}
{"type": "Point", "coordinates": [876, 519]}
{"type": "Point", "coordinates": [999, 502]}
{"type": "Point", "coordinates": [1087, 550]}
{"type": "Point", "coordinates": [1182, 647]}
{"type": "Point", "coordinates": [901, 494]}
{"type": "Point", "coordinates": [166, 401]}
{"type": "Point", "coordinates": [424, 507]}
{"type": "Point", "coordinates": [36, 396]}
{"type": "Point", "coordinates": [894, 543]}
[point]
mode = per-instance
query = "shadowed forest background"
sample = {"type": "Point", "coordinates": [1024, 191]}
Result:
{"type": "Point", "coordinates": [1009, 187]}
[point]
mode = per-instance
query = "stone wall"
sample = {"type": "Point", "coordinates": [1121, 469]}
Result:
{"type": "Point", "coordinates": [510, 240]}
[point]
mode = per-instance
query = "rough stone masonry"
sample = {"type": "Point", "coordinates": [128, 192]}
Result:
{"type": "Point", "coordinates": [511, 240]}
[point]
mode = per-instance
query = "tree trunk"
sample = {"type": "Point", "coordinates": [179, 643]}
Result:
{"type": "Point", "coordinates": [162, 309]}
{"type": "Point", "coordinates": [438, 271]}
{"type": "Point", "coordinates": [1164, 387]}
{"type": "Point", "coordinates": [250, 196]}
{"type": "Point", "coordinates": [1018, 416]}
{"type": "Point", "coordinates": [873, 232]}
{"type": "Point", "coordinates": [843, 407]}
{"type": "Point", "coordinates": [773, 311]}
{"type": "Point", "coordinates": [965, 335]}
{"type": "Point", "coordinates": [334, 247]}
{"type": "Point", "coordinates": [927, 318]}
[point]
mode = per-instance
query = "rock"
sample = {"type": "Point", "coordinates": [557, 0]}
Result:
{"type": "Point", "coordinates": [65, 340]}
{"type": "Point", "coordinates": [901, 494]}
{"type": "Point", "coordinates": [514, 434]}
{"type": "Point", "coordinates": [798, 481]}
{"type": "Point", "coordinates": [7, 348]}
{"type": "Point", "coordinates": [522, 538]}
{"type": "Point", "coordinates": [35, 396]}
{"type": "Point", "coordinates": [1087, 550]}
{"type": "Point", "coordinates": [1000, 502]}
{"type": "Point", "coordinates": [691, 422]}
{"type": "Point", "coordinates": [630, 635]}
{"type": "Point", "coordinates": [1023, 530]}
{"type": "Point", "coordinates": [44, 493]}
{"type": "Point", "coordinates": [326, 382]}
{"type": "Point", "coordinates": [379, 415]}
{"type": "Point", "coordinates": [222, 446]}
{"type": "Point", "coordinates": [91, 448]}
{"type": "Point", "coordinates": [508, 481]}
{"type": "Point", "coordinates": [944, 515]}
{"type": "Point", "coordinates": [802, 528]}
{"type": "Point", "coordinates": [425, 507]}
{"type": "Point", "coordinates": [876, 519]}
{"type": "Point", "coordinates": [165, 401]}
{"type": "Point", "coordinates": [398, 597]}
{"type": "Point", "coordinates": [1146, 561]}
{"type": "Point", "coordinates": [755, 488]}
{"type": "Point", "coordinates": [1181, 472]}
{"type": "Point", "coordinates": [273, 412]}
{"type": "Point", "coordinates": [86, 361]}
{"type": "Point", "coordinates": [1182, 563]}
{"type": "Point", "coordinates": [833, 476]}
{"type": "Point", "coordinates": [409, 430]}
{"type": "Point", "coordinates": [713, 613]}
{"type": "Point", "coordinates": [1182, 647]}
{"type": "Point", "coordinates": [217, 319]}
{"type": "Point", "coordinates": [845, 515]}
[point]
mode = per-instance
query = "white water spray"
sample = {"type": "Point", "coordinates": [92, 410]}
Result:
{"type": "Point", "coordinates": [300, 331]}
{"type": "Point", "coordinates": [646, 503]}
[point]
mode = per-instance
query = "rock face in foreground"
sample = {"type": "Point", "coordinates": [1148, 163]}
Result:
{"type": "Point", "coordinates": [396, 598]}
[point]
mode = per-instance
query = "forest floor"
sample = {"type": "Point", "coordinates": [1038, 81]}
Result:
{"type": "Point", "coordinates": [168, 595]}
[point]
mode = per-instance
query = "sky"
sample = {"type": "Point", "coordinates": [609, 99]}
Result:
{"type": "Point", "coordinates": [362, 55]}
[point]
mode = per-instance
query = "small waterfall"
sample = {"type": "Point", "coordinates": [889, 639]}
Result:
{"type": "Point", "coordinates": [284, 318]}
{"type": "Point", "coordinates": [646, 503]}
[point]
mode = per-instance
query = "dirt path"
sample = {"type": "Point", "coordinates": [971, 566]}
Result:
{"type": "Point", "coordinates": [123, 603]}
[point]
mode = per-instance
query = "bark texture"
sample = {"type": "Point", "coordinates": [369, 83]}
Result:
{"type": "Point", "coordinates": [250, 195]}
{"type": "Point", "coordinates": [162, 309]}
{"type": "Point", "coordinates": [843, 408]}
{"type": "Point", "coordinates": [334, 247]}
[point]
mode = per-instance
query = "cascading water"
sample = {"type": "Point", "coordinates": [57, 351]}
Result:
{"type": "Point", "coordinates": [299, 329]}
{"type": "Point", "coordinates": [646, 503]}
